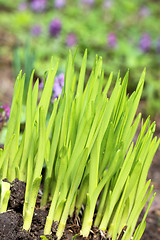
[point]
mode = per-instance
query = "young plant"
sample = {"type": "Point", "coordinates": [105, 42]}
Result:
{"type": "Point", "coordinates": [87, 149]}
{"type": "Point", "coordinates": [4, 195]}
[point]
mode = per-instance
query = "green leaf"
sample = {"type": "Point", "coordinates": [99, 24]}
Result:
{"type": "Point", "coordinates": [4, 195]}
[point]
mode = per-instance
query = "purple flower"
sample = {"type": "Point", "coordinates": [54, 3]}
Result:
{"type": "Point", "coordinates": [145, 42]}
{"type": "Point", "coordinates": [112, 40]}
{"type": "Point", "coordinates": [58, 85]}
{"type": "Point", "coordinates": [88, 2]}
{"type": "Point", "coordinates": [61, 79]}
{"type": "Point", "coordinates": [22, 6]}
{"type": "Point", "coordinates": [107, 4]}
{"type": "Point", "coordinates": [59, 3]}
{"type": "Point", "coordinates": [71, 40]}
{"type": "Point", "coordinates": [144, 11]}
{"type": "Point", "coordinates": [6, 110]}
{"type": "Point", "coordinates": [57, 90]}
{"type": "Point", "coordinates": [41, 85]}
{"type": "Point", "coordinates": [36, 30]}
{"type": "Point", "coordinates": [55, 27]}
{"type": "Point", "coordinates": [38, 5]}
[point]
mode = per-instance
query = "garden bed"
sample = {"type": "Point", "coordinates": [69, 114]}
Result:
{"type": "Point", "coordinates": [11, 222]}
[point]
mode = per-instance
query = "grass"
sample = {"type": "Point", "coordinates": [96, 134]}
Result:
{"type": "Point", "coordinates": [87, 149]}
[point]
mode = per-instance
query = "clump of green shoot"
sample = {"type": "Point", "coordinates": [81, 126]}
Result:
{"type": "Point", "coordinates": [87, 149]}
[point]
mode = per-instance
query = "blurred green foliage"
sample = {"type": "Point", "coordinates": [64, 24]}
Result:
{"type": "Point", "coordinates": [127, 20]}
{"type": "Point", "coordinates": [24, 60]}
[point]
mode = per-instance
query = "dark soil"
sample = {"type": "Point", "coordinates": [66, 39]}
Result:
{"type": "Point", "coordinates": [16, 199]}
{"type": "Point", "coordinates": [11, 222]}
{"type": "Point", "coordinates": [153, 226]}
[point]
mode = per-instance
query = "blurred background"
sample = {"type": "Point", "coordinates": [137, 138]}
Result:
{"type": "Point", "coordinates": [125, 33]}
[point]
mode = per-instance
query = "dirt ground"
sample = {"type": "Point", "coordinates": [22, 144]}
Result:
{"type": "Point", "coordinates": [153, 219]}
{"type": "Point", "coordinates": [11, 222]}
